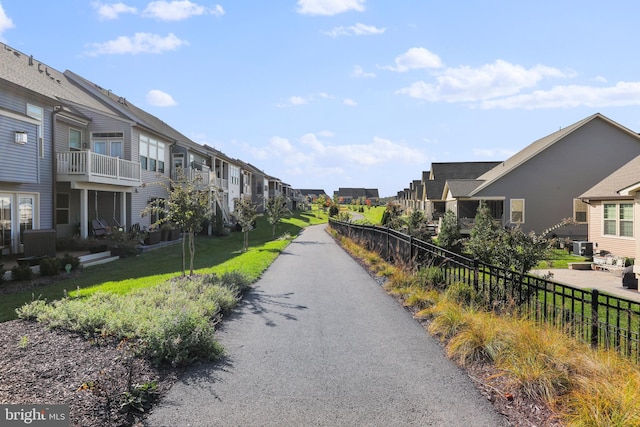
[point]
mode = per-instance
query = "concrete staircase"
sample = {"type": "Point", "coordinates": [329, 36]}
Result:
{"type": "Point", "coordinates": [97, 258]}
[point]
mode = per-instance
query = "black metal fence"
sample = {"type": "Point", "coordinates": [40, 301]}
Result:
{"type": "Point", "coordinates": [603, 320]}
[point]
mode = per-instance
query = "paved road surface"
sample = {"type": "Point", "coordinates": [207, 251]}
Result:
{"type": "Point", "coordinates": [317, 342]}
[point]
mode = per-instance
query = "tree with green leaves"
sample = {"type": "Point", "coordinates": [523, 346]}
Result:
{"type": "Point", "coordinates": [483, 235]}
{"type": "Point", "coordinates": [276, 210]}
{"type": "Point", "coordinates": [449, 236]}
{"type": "Point", "coordinates": [245, 213]}
{"type": "Point", "coordinates": [188, 206]}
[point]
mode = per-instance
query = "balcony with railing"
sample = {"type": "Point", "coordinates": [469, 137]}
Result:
{"type": "Point", "coordinates": [200, 176]}
{"type": "Point", "coordinates": [87, 166]}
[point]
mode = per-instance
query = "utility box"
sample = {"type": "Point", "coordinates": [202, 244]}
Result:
{"type": "Point", "coordinates": [39, 243]}
{"type": "Point", "coordinates": [584, 249]}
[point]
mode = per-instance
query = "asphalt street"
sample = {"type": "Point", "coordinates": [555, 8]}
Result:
{"type": "Point", "coordinates": [317, 342]}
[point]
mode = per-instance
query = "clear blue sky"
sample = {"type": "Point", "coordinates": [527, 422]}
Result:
{"type": "Point", "coordinates": [349, 93]}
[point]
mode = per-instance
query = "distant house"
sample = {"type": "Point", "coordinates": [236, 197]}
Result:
{"type": "Point", "coordinates": [612, 210]}
{"type": "Point", "coordinates": [357, 195]}
{"type": "Point", "coordinates": [311, 195]}
{"type": "Point", "coordinates": [541, 185]}
{"type": "Point", "coordinates": [434, 181]}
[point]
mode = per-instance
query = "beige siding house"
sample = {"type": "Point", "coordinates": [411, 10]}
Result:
{"type": "Point", "coordinates": [613, 212]}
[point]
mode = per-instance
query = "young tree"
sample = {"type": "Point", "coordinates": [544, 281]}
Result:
{"type": "Point", "coordinates": [276, 210]}
{"type": "Point", "coordinates": [449, 236]}
{"type": "Point", "coordinates": [188, 207]}
{"type": "Point", "coordinates": [484, 234]}
{"type": "Point", "coordinates": [246, 214]}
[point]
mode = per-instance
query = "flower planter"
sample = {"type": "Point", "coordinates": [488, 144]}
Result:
{"type": "Point", "coordinates": [174, 234]}
{"type": "Point", "coordinates": [153, 237]}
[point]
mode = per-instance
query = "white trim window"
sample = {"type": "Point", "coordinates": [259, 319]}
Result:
{"type": "Point", "coordinates": [75, 139]}
{"type": "Point", "coordinates": [580, 210]}
{"type": "Point", "coordinates": [517, 211]}
{"type": "Point", "coordinates": [151, 154]}
{"type": "Point", "coordinates": [617, 219]}
{"type": "Point", "coordinates": [37, 113]}
{"type": "Point", "coordinates": [62, 209]}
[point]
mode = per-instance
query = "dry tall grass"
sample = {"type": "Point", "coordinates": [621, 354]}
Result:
{"type": "Point", "coordinates": [586, 387]}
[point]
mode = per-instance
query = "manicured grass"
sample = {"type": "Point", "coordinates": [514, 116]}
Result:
{"type": "Point", "coordinates": [560, 258]}
{"type": "Point", "coordinates": [213, 254]}
{"type": "Point", "coordinates": [373, 215]}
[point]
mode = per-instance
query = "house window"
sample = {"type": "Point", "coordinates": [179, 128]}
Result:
{"type": "Point", "coordinates": [618, 219]}
{"type": "Point", "coordinates": [38, 114]}
{"type": "Point", "coordinates": [100, 147]}
{"type": "Point", "coordinates": [579, 211]}
{"type": "Point", "coordinates": [626, 220]}
{"type": "Point", "coordinates": [75, 140]}
{"type": "Point", "coordinates": [62, 208]}
{"type": "Point", "coordinates": [108, 143]}
{"type": "Point", "coordinates": [517, 211]}
{"type": "Point", "coordinates": [151, 154]}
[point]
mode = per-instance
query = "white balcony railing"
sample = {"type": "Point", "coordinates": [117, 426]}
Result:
{"type": "Point", "coordinates": [93, 165]}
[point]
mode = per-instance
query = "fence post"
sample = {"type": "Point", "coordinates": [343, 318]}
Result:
{"type": "Point", "coordinates": [476, 274]}
{"type": "Point", "coordinates": [595, 322]}
{"type": "Point", "coordinates": [411, 249]}
{"type": "Point", "coordinates": [388, 256]}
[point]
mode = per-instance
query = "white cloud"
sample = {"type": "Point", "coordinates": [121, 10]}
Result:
{"type": "Point", "coordinates": [378, 152]}
{"type": "Point", "coordinates": [355, 30]}
{"type": "Point", "coordinates": [623, 94]}
{"type": "Point", "coordinates": [158, 98]}
{"type": "Point", "coordinates": [139, 43]}
{"type": "Point", "coordinates": [414, 59]}
{"type": "Point", "coordinates": [329, 7]}
{"type": "Point", "coordinates": [178, 10]}
{"type": "Point", "coordinates": [358, 72]}
{"type": "Point", "coordinates": [312, 141]}
{"type": "Point", "coordinates": [113, 10]}
{"type": "Point", "coordinates": [5, 22]}
{"type": "Point", "coordinates": [350, 102]}
{"type": "Point", "coordinates": [466, 84]}
{"type": "Point", "coordinates": [300, 100]}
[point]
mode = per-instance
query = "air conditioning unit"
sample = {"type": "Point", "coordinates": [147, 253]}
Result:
{"type": "Point", "coordinates": [583, 249]}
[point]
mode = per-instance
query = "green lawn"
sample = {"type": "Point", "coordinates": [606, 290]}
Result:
{"type": "Point", "coordinates": [372, 215]}
{"type": "Point", "coordinates": [213, 254]}
{"type": "Point", "coordinates": [560, 258]}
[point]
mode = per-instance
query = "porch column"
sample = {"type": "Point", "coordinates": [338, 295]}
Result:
{"type": "Point", "coordinates": [84, 213]}
{"type": "Point", "coordinates": [123, 210]}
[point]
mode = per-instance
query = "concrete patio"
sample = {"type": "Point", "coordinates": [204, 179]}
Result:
{"type": "Point", "coordinates": [603, 281]}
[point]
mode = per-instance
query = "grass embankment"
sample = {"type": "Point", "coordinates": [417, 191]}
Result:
{"type": "Point", "coordinates": [213, 255]}
{"type": "Point", "coordinates": [147, 303]}
{"type": "Point", "coordinates": [585, 387]}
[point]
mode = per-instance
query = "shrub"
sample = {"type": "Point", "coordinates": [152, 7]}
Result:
{"type": "Point", "coordinates": [20, 273]}
{"type": "Point", "coordinates": [464, 294]}
{"type": "Point", "coordinates": [49, 266]}
{"type": "Point", "coordinates": [432, 277]}
{"type": "Point", "coordinates": [67, 258]}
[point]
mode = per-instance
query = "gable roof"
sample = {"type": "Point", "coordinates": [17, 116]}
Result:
{"type": "Point", "coordinates": [617, 185]}
{"type": "Point", "coordinates": [460, 187]}
{"type": "Point", "coordinates": [441, 172]}
{"type": "Point", "coordinates": [357, 192]}
{"type": "Point", "coordinates": [540, 145]}
{"type": "Point", "coordinates": [31, 74]}
{"type": "Point", "coordinates": [138, 115]}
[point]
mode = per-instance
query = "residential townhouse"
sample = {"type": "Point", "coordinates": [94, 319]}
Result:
{"type": "Point", "coordinates": [48, 179]}
{"type": "Point", "coordinates": [85, 153]}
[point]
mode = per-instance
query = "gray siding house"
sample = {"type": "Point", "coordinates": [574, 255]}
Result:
{"type": "Point", "coordinates": [42, 114]}
{"type": "Point", "coordinates": [541, 185]}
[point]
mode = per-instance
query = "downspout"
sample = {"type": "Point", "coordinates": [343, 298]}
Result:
{"type": "Point", "coordinates": [54, 170]}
